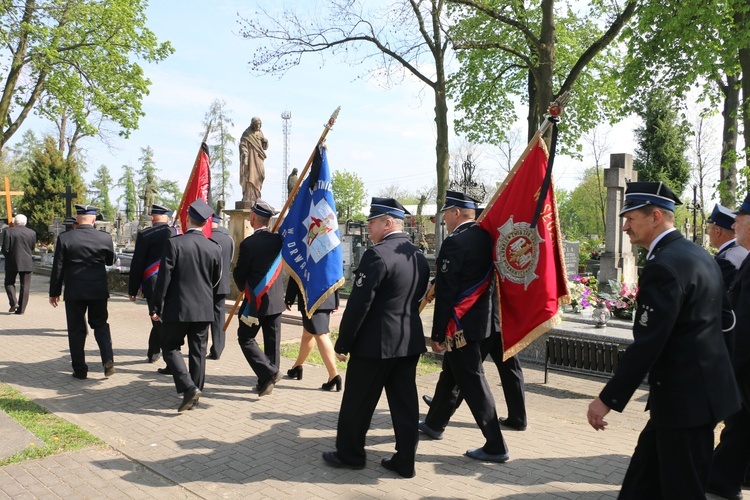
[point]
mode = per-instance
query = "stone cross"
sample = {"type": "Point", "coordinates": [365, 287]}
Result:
{"type": "Point", "coordinates": [69, 197]}
{"type": "Point", "coordinates": [619, 257]}
{"type": "Point", "coordinates": [8, 193]}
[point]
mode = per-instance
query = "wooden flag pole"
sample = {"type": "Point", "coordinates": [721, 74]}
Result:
{"type": "Point", "coordinates": [327, 127]}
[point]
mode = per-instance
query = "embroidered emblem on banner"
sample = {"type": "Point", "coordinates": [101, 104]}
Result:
{"type": "Point", "coordinates": [321, 225]}
{"type": "Point", "coordinates": [517, 252]}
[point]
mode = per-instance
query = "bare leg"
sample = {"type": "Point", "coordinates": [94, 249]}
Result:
{"type": "Point", "coordinates": [326, 352]}
{"type": "Point", "coordinates": [306, 345]}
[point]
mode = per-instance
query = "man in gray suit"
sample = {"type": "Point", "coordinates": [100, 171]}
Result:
{"type": "Point", "coordinates": [18, 249]}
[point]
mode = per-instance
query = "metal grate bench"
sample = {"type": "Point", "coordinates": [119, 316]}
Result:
{"type": "Point", "coordinates": [590, 357]}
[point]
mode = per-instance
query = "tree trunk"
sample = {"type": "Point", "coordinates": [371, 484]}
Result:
{"type": "Point", "coordinates": [728, 170]}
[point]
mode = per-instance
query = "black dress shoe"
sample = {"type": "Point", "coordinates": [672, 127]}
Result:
{"type": "Point", "coordinates": [427, 400]}
{"type": "Point", "coordinates": [13, 309]}
{"type": "Point", "coordinates": [109, 369]}
{"type": "Point", "coordinates": [154, 358]}
{"type": "Point", "coordinates": [80, 375]}
{"type": "Point", "coordinates": [18, 312]}
{"type": "Point", "coordinates": [480, 454]}
{"type": "Point", "coordinates": [189, 399]}
{"type": "Point", "coordinates": [723, 492]}
{"type": "Point", "coordinates": [212, 355]}
{"type": "Point", "coordinates": [509, 424]}
{"type": "Point", "coordinates": [429, 431]}
{"type": "Point", "coordinates": [165, 371]}
{"type": "Point", "coordinates": [332, 459]}
{"type": "Point", "coordinates": [388, 464]}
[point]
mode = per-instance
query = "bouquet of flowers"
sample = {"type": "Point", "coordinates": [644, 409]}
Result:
{"type": "Point", "coordinates": [621, 302]}
{"type": "Point", "coordinates": [583, 292]}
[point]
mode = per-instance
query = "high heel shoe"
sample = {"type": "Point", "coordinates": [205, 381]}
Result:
{"type": "Point", "coordinates": [295, 372]}
{"type": "Point", "coordinates": [335, 381]}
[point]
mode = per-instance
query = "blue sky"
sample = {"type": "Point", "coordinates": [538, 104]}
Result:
{"type": "Point", "coordinates": [386, 136]}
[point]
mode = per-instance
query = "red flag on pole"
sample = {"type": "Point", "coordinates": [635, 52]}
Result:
{"type": "Point", "coordinates": [198, 186]}
{"type": "Point", "coordinates": [528, 259]}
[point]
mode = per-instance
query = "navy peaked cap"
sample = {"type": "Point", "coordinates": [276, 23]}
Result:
{"type": "Point", "coordinates": [200, 211]}
{"type": "Point", "coordinates": [86, 210]}
{"type": "Point", "coordinates": [264, 209]}
{"type": "Point", "coordinates": [722, 217]}
{"type": "Point", "coordinates": [159, 210]}
{"type": "Point", "coordinates": [386, 206]}
{"type": "Point", "coordinates": [457, 199]}
{"type": "Point", "coordinates": [641, 194]}
{"type": "Point", "coordinates": [744, 209]}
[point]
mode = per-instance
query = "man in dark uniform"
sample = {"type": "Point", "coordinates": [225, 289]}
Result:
{"type": "Point", "coordinates": [144, 269]}
{"type": "Point", "coordinates": [221, 236]}
{"type": "Point", "coordinates": [382, 330]}
{"type": "Point", "coordinates": [183, 301]}
{"type": "Point", "coordinates": [462, 321]}
{"type": "Point", "coordinates": [511, 378]}
{"type": "Point", "coordinates": [732, 456]}
{"type": "Point", "coordinates": [678, 343]}
{"type": "Point", "coordinates": [79, 263]}
{"type": "Point", "coordinates": [18, 249]}
{"type": "Point", "coordinates": [721, 236]}
{"type": "Point", "coordinates": [256, 272]}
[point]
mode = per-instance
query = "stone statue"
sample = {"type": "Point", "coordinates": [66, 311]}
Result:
{"type": "Point", "coordinates": [291, 181]}
{"type": "Point", "coordinates": [149, 192]}
{"type": "Point", "coordinates": [253, 148]}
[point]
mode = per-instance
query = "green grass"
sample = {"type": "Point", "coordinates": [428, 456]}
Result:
{"type": "Point", "coordinates": [427, 363]}
{"type": "Point", "coordinates": [58, 435]}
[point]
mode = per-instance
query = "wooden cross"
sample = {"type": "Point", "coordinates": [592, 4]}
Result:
{"type": "Point", "coordinates": [69, 197]}
{"type": "Point", "coordinates": [8, 193]}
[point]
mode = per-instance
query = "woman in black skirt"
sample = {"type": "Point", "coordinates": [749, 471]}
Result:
{"type": "Point", "coordinates": [315, 330]}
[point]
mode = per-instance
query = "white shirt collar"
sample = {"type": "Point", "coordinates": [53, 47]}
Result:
{"type": "Point", "coordinates": [722, 247]}
{"type": "Point", "coordinates": [657, 240]}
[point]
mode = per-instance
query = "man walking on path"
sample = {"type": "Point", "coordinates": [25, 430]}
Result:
{"type": "Point", "coordinates": [189, 271]}
{"type": "Point", "coordinates": [678, 342]}
{"type": "Point", "coordinates": [18, 249]}
{"type": "Point", "coordinates": [221, 236]}
{"type": "Point", "coordinates": [144, 269]}
{"type": "Point", "coordinates": [80, 261]}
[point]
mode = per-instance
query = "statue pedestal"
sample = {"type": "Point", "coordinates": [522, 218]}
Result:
{"type": "Point", "coordinates": [239, 229]}
{"type": "Point", "coordinates": [242, 205]}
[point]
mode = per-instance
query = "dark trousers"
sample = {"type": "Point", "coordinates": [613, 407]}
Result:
{"type": "Point", "coordinates": [463, 371]}
{"type": "Point", "coordinates": [732, 456]}
{"type": "Point", "coordinates": [217, 327]}
{"type": "Point", "coordinates": [669, 463]}
{"type": "Point", "coordinates": [75, 313]}
{"type": "Point", "coordinates": [10, 289]}
{"type": "Point", "coordinates": [265, 364]}
{"type": "Point", "coordinates": [172, 338]}
{"type": "Point", "coordinates": [154, 337]}
{"type": "Point", "coordinates": [447, 398]}
{"type": "Point", "coordinates": [365, 380]}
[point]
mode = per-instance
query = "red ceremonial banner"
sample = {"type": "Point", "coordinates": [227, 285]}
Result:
{"type": "Point", "coordinates": [528, 260]}
{"type": "Point", "coordinates": [198, 186]}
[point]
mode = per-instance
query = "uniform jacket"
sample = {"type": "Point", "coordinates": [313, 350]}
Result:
{"type": "Point", "coordinates": [257, 253]}
{"type": "Point", "coordinates": [677, 340]}
{"type": "Point", "coordinates": [464, 259]}
{"type": "Point", "coordinates": [190, 270]}
{"type": "Point", "coordinates": [80, 259]}
{"type": "Point", "coordinates": [381, 319]}
{"type": "Point", "coordinates": [730, 259]}
{"type": "Point", "coordinates": [739, 293]}
{"type": "Point", "coordinates": [221, 236]}
{"type": "Point", "coordinates": [293, 294]}
{"type": "Point", "coordinates": [18, 248]}
{"type": "Point", "coordinates": [149, 247]}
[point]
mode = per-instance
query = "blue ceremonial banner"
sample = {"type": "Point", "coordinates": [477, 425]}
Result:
{"type": "Point", "coordinates": [312, 242]}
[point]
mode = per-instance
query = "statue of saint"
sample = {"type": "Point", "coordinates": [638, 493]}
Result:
{"type": "Point", "coordinates": [149, 192]}
{"type": "Point", "coordinates": [253, 148]}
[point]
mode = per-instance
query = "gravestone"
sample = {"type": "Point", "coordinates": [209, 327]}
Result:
{"type": "Point", "coordinates": [619, 258]}
{"type": "Point", "coordinates": [571, 251]}
{"type": "Point", "coordinates": [56, 228]}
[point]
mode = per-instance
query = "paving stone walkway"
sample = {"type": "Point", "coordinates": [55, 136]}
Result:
{"type": "Point", "coordinates": [236, 445]}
